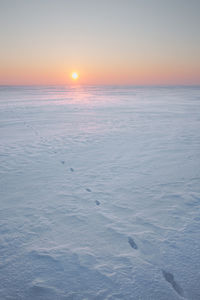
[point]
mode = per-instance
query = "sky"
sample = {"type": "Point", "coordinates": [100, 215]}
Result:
{"type": "Point", "coordinates": [126, 42]}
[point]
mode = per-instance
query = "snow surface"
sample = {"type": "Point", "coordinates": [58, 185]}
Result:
{"type": "Point", "coordinates": [100, 193]}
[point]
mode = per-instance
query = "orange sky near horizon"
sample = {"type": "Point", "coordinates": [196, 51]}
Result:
{"type": "Point", "coordinates": [108, 42]}
{"type": "Point", "coordinates": [140, 75]}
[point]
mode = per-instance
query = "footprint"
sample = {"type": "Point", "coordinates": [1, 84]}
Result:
{"type": "Point", "coordinates": [88, 190]}
{"type": "Point", "coordinates": [97, 202]}
{"type": "Point", "coordinates": [62, 162]}
{"type": "Point", "coordinates": [71, 169]}
{"type": "Point", "coordinates": [132, 243]}
{"type": "Point", "coordinates": [170, 278]}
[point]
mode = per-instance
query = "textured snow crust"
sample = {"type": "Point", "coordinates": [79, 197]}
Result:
{"type": "Point", "coordinates": [100, 193]}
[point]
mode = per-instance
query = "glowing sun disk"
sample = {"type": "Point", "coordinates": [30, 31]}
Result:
{"type": "Point", "coordinates": [75, 75]}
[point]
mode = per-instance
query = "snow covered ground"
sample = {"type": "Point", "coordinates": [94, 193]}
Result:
{"type": "Point", "coordinates": [100, 193]}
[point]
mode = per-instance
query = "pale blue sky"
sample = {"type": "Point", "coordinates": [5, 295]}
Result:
{"type": "Point", "coordinates": [101, 37]}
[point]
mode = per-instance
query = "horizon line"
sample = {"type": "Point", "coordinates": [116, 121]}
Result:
{"type": "Point", "coordinates": [122, 85]}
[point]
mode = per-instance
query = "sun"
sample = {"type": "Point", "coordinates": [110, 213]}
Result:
{"type": "Point", "coordinates": [75, 75]}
